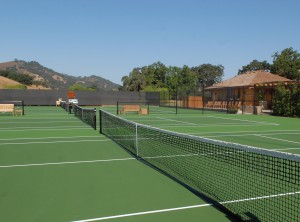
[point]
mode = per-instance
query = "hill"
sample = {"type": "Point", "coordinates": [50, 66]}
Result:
{"type": "Point", "coordinates": [46, 78]}
{"type": "Point", "coordinates": [6, 83]}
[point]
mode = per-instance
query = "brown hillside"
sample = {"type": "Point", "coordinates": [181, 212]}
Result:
{"type": "Point", "coordinates": [4, 82]}
{"type": "Point", "coordinates": [7, 82]}
{"type": "Point", "coordinates": [45, 77]}
{"type": "Point", "coordinates": [7, 65]}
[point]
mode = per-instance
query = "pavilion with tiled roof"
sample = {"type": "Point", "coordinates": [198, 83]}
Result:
{"type": "Point", "coordinates": [251, 88]}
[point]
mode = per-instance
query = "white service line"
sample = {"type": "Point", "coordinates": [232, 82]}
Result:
{"type": "Point", "coordinates": [243, 120]}
{"type": "Point", "coordinates": [250, 131]}
{"type": "Point", "coordinates": [248, 134]}
{"type": "Point", "coordinates": [46, 129]}
{"type": "Point", "coordinates": [187, 207]}
{"type": "Point", "coordinates": [143, 213]}
{"type": "Point", "coordinates": [59, 137]}
{"type": "Point", "coordinates": [41, 122]}
{"type": "Point", "coordinates": [268, 137]}
{"type": "Point", "coordinates": [36, 127]}
{"type": "Point", "coordinates": [292, 148]}
{"type": "Point", "coordinates": [49, 142]}
{"type": "Point", "coordinates": [64, 163]}
{"type": "Point", "coordinates": [177, 121]}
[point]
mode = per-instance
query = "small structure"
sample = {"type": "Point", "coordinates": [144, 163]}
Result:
{"type": "Point", "coordinates": [247, 91]}
{"type": "Point", "coordinates": [71, 98]}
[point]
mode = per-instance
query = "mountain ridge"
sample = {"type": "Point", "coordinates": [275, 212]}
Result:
{"type": "Point", "coordinates": [46, 78]}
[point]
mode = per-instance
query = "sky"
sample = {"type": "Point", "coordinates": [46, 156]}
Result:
{"type": "Point", "coordinates": [109, 38]}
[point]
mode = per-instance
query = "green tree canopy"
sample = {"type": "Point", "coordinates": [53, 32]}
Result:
{"type": "Point", "coordinates": [159, 76]}
{"type": "Point", "coordinates": [208, 74]}
{"type": "Point", "coordinates": [78, 86]}
{"type": "Point", "coordinates": [19, 77]}
{"type": "Point", "coordinates": [255, 65]}
{"type": "Point", "coordinates": [287, 64]}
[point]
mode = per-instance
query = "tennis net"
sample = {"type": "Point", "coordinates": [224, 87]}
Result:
{"type": "Point", "coordinates": [65, 106]}
{"type": "Point", "coordinates": [86, 115]}
{"type": "Point", "coordinates": [251, 183]}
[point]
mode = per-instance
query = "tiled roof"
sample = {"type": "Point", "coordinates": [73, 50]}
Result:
{"type": "Point", "coordinates": [250, 79]}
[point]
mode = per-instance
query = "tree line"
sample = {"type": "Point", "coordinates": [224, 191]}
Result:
{"type": "Point", "coordinates": [159, 77]}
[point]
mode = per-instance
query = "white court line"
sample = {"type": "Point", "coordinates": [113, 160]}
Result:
{"type": "Point", "coordinates": [51, 142]}
{"type": "Point", "coordinates": [177, 121]}
{"type": "Point", "coordinates": [252, 134]}
{"type": "Point", "coordinates": [294, 148]}
{"type": "Point", "coordinates": [268, 137]}
{"type": "Point", "coordinates": [239, 120]}
{"type": "Point", "coordinates": [64, 163]}
{"type": "Point", "coordinates": [206, 125]}
{"type": "Point", "coordinates": [43, 138]}
{"type": "Point", "coordinates": [47, 129]}
{"type": "Point", "coordinates": [247, 131]}
{"type": "Point", "coordinates": [212, 124]}
{"type": "Point", "coordinates": [243, 120]}
{"type": "Point", "coordinates": [143, 213]}
{"type": "Point", "coordinates": [107, 160]}
{"type": "Point", "coordinates": [187, 207]}
{"type": "Point", "coordinates": [42, 122]}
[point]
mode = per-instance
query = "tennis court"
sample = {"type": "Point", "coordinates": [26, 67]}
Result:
{"type": "Point", "coordinates": [53, 167]}
{"type": "Point", "coordinates": [255, 183]}
{"type": "Point", "coordinates": [263, 131]}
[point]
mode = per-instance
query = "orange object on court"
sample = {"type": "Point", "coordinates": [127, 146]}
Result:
{"type": "Point", "coordinates": [71, 95]}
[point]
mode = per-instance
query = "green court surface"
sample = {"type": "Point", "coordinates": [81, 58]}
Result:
{"type": "Point", "coordinates": [53, 167]}
{"type": "Point", "coordinates": [263, 131]}
{"type": "Point", "coordinates": [248, 160]}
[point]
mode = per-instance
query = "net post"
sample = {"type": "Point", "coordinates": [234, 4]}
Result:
{"type": "Point", "coordinates": [95, 119]}
{"type": "Point", "coordinates": [176, 100]}
{"type": "Point", "coordinates": [117, 108]}
{"type": "Point", "coordinates": [148, 111]}
{"type": "Point", "coordinates": [100, 120]}
{"type": "Point", "coordinates": [136, 140]}
{"type": "Point", "coordinates": [23, 111]}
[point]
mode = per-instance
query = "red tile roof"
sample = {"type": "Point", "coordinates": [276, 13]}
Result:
{"type": "Point", "coordinates": [250, 79]}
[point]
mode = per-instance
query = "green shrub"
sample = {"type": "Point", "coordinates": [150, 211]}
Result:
{"type": "Point", "coordinates": [286, 101]}
{"type": "Point", "coordinates": [16, 87]}
{"type": "Point", "coordinates": [233, 109]}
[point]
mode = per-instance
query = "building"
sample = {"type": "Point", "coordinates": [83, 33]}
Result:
{"type": "Point", "coordinates": [250, 90]}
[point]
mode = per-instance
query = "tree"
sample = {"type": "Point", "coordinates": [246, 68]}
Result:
{"type": "Point", "coordinates": [139, 78]}
{"type": "Point", "coordinates": [172, 78]}
{"type": "Point", "coordinates": [126, 83]}
{"type": "Point", "coordinates": [208, 74]}
{"type": "Point", "coordinates": [158, 76]}
{"type": "Point", "coordinates": [255, 65]}
{"type": "Point", "coordinates": [187, 79]}
{"type": "Point", "coordinates": [286, 101]}
{"type": "Point", "coordinates": [287, 64]}
{"type": "Point", "coordinates": [19, 77]}
{"type": "Point", "coordinates": [78, 86]}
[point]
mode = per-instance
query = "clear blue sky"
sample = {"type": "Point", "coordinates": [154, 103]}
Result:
{"type": "Point", "coordinates": [109, 38]}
